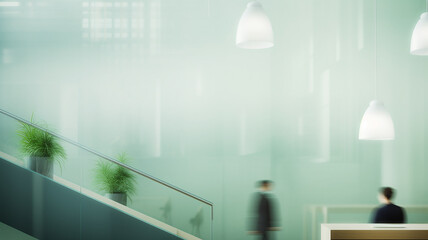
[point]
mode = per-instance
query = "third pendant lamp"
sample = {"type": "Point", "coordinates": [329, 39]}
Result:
{"type": "Point", "coordinates": [419, 42]}
{"type": "Point", "coordinates": [254, 28]}
{"type": "Point", "coordinates": [377, 122]}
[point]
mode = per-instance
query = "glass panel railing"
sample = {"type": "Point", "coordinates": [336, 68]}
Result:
{"type": "Point", "coordinates": [106, 179]}
{"type": "Point", "coordinates": [161, 205]}
{"type": "Point", "coordinates": [30, 202]}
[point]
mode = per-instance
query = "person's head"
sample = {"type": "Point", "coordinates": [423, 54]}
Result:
{"type": "Point", "coordinates": [386, 194]}
{"type": "Point", "coordinates": [265, 185]}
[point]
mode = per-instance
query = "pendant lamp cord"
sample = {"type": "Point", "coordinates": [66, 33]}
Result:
{"type": "Point", "coordinates": [375, 46]}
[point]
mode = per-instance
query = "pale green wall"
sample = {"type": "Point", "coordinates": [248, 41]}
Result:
{"type": "Point", "coordinates": [323, 80]}
{"type": "Point", "coordinates": [194, 110]}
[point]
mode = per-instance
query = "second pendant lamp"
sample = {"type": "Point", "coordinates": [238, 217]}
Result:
{"type": "Point", "coordinates": [254, 28]}
{"type": "Point", "coordinates": [377, 123]}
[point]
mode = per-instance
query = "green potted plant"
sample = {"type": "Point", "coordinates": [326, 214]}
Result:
{"type": "Point", "coordinates": [41, 148]}
{"type": "Point", "coordinates": [118, 183]}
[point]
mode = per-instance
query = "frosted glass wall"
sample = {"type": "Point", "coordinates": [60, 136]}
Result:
{"type": "Point", "coordinates": [163, 81]}
{"type": "Point", "coordinates": [323, 80]}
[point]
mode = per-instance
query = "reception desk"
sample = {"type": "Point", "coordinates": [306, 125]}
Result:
{"type": "Point", "coordinates": [374, 231]}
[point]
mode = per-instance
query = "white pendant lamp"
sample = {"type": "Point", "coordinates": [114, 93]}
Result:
{"type": "Point", "coordinates": [419, 42]}
{"type": "Point", "coordinates": [377, 122]}
{"type": "Point", "coordinates": [254, 28]}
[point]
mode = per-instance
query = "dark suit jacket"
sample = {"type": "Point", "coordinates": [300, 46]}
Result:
{"type": "Point", "coordinates": [389, 213]}
{"type": "Point", "coordinates": [265, 213]}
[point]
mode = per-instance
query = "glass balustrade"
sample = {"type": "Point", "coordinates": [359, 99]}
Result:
{"type": "Point", "coordinates": [110, 181]}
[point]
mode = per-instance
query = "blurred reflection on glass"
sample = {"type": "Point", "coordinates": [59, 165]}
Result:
{"type": "Point", "coordinates": [264, 212]}
{"type": "Point", "coordinates": [196, 222]}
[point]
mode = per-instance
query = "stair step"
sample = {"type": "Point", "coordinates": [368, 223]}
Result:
{"type": "Point", "coordinates": [7, 232]}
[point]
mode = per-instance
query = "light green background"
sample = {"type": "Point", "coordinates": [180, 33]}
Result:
{"type": "Point", "coordinates": [163, 81]}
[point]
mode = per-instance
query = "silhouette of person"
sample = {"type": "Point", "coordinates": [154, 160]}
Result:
{"type": "Point", "coordinates": [388, 212]}
{"type": "Point", "coordinates": [196, 222]}
{"type": "Point", "coordinates": [166, 211]}
{"type": "Point", "coordinates": [264, 214]}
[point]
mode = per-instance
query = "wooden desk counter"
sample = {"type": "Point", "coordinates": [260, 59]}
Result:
{"type": "Point", "coordinates": [374, 231]}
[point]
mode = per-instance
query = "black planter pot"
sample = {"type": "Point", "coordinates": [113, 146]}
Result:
{"type": "Point", "coordinates": [118, 197]}
{"type": "Point", "coordinates": [42, 165]}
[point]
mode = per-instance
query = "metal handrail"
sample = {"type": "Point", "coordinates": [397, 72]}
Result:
{"type": "Point", "coordinates": [115, 161]}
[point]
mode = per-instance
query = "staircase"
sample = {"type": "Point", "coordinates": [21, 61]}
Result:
{"type": "Point", "coordinates": [67, 207]}
{"type": "Point", "coordinates": [7, 232]}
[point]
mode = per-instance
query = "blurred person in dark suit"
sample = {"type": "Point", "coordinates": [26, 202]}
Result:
{"type": "Point", "coordinates": [388, 212]}
{"type": "Point", "coordinates": [264, 211]}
